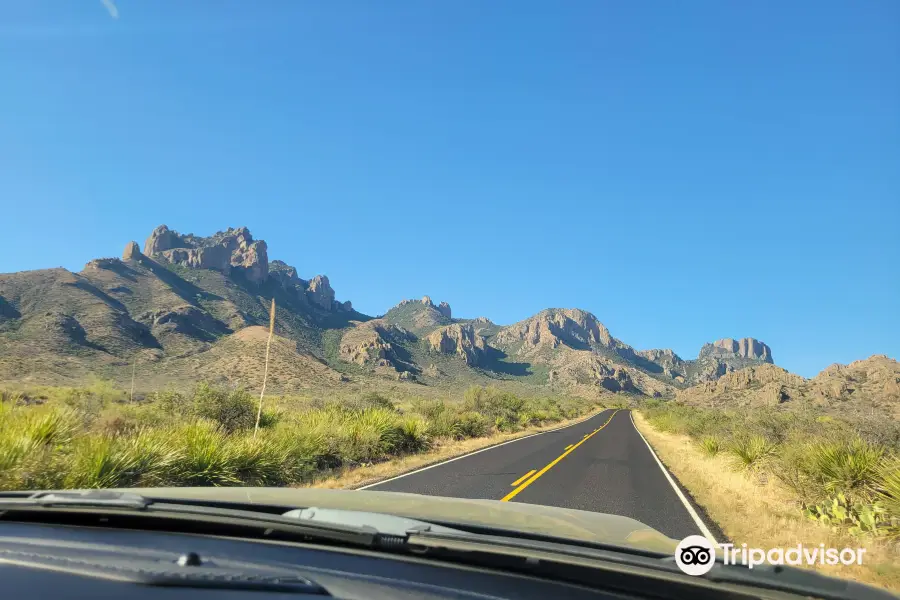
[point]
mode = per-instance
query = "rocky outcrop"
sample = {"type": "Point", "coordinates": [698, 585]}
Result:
{"type": "Point", "coordinates": [877, 377]}
{"type": "Point", "coordinates": [375, 344]}
{"type": "Point", "coordinates": [132, 251]}
{"type": "Point", "coordinates": [554, 327]}
{"type": "Point", "coordinates": [613, 379]}
{"type": "Point", "coordinates": [444, 309]}
{"type": "Point", "coordinates": [367, 344]}
{"type": "Point", "coordinates": [871, 385]}
{"type": "Point", "coordinates": [460, 340]}
{"type": "Point", "coordinates": [233, 250]}
{"type": "Point", "coordinates": [286, 275]}
{"type": "Point", "coordinates": [748, 348]}
{"type": "Point", "coordinates": [670, 363]}
{"type": "Point", "coordinates": [320, 293]}
{"type": "Point", "coordinates": [187, 320]}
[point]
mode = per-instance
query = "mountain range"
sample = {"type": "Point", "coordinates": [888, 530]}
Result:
{"type": "Point", "coordinates": [186, 307]}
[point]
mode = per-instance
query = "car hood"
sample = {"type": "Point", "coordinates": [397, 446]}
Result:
{"type": "Point", "coordinates": [565, 523]}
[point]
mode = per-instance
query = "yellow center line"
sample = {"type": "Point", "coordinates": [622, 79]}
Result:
{"type": "Point", "coordinates": [571, 449]}
{"type": "Point", "coordinates": [523, 477]}
{"type": "Point", "coordinates": [569, 446]}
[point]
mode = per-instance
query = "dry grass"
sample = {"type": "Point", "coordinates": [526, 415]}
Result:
{"type": "Point", "coordinates": [444, 449]}
{"type": "Point", "coordinates": [762, 513]}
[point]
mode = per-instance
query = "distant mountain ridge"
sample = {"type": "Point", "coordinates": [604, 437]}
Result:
{"type": "Point", "coordinates": [185, 305]}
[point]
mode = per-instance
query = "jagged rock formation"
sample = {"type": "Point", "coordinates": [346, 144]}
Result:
{"type": "Point", "coordinates": [663, 357]}
{"type": "Point", "coordinates": [367, 343]}
{"type": "Point", "coordinates": [320, 293]}
{"type": "Point", "coordinates": [373, 344]}
{"type": "Point", "coordinates": [460, 340]}
{"type": "Point", "coordinates": [132, 251]}
{"type": "Point", "coordinates": [614, 379]}
{"type": "Point", "coordinates": [873, 383]}
{"type": "Point", "coordinates": [235, 251]}
{"type": "Point", "coordinates": [231, 250]}
{"type": "Point", "coordinates": [180, 325]}
{"type": "Point", "coordinates": [419, 316]}
{"type": "Point", "coordinates": [750, 348]}
{"type": "Point", "coordinates": [553, 327]}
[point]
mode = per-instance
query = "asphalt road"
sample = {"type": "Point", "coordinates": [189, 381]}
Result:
{"type": "Point", "coordinates": [601, 464]}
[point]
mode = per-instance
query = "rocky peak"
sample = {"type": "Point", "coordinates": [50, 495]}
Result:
{"type": "Point", "coordinates": [320, 293]}
{"type": "Point", "coordinates": [285, 274]}
{"type": "Point", "coordinates": [444, 309]}
{"type": "Point", "coordinates": [226, 251]}
{"type": "Point", "coordinates": [132, 251]}
{"type": "Point", "coordinates": [661, 356]}
{"type": "Point", "coordinates": [556, 326]}
{"type": "Point", "coordinates": [748, 348]}
{"type": "Point", "coordinates": [461, 340]}
{"type": "Point", "coordinates": [426, 300]}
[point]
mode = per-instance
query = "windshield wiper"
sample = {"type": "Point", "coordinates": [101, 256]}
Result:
{"type": "Point", "coordinates": [129, 504]}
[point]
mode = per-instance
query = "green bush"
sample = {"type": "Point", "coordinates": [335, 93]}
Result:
{"type": "Point", "coordinates": [233, 410]}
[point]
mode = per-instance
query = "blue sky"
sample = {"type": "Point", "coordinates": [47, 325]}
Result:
{"type": "Point", "coordinates": [684, 170]}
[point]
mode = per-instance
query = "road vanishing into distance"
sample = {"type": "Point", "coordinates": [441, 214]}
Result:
{"type": "Point", "coordinates": [601, 464]}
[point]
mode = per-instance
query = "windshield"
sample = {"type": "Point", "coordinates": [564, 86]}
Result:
{"type": "Point", "coordinates": [623, 273]}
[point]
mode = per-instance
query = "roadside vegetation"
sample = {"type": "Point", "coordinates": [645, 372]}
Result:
{"type": "Point", "coordinates": [842, 473]}
{"type": "Point", "coordinates": [95, 437]}
{"type": "Point", "coordinates": [772, 478]}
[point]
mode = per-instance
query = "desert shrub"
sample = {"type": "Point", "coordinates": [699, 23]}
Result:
{"type": "Point", "coordinates": [376, 400]}
{"type": "Point", "coordinates": [173, 403]}
{"type": "Point", "coordinates": [472, 425]}
{"type": "Point", "coordinates": [233, 409]}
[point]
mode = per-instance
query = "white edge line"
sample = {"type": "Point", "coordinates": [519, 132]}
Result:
{"type": "Point", "coordinates": [703, 528]}
{"type": "Point", "coordinates": [461, 456]}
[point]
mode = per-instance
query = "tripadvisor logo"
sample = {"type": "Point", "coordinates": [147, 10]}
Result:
{"type": "Point", "coordinates": [695, 555]}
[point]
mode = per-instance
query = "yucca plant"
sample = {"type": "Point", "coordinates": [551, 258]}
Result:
{"type": "Point", "coordinates": [750, 451]}
{"type": "Point", "coordinates": [710, 445]}
{"type": "Point", "coordinates": [413, 432]}
{"type": "Point", "coordinates": [207, 460]}
{"type": "Point", "coordinates": [49, 427]}
{"type": "Point", "coordinates": [887, 490]}
{"type": "Point", "coordinates": [258, 460]}
{"type": "Point", "coordinates": [101, 462]}
{"type": "Point", "coordinates": [848, 467]}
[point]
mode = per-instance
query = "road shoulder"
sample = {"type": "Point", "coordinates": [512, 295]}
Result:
{"type": "Point", "coordinates": [746, 511]}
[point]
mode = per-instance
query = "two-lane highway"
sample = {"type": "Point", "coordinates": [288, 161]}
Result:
{"type": "Point", "coordinates": [601, 464]}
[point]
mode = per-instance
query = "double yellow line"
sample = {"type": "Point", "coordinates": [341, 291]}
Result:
{"type": "Point", "coordinates": [530, 477]}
